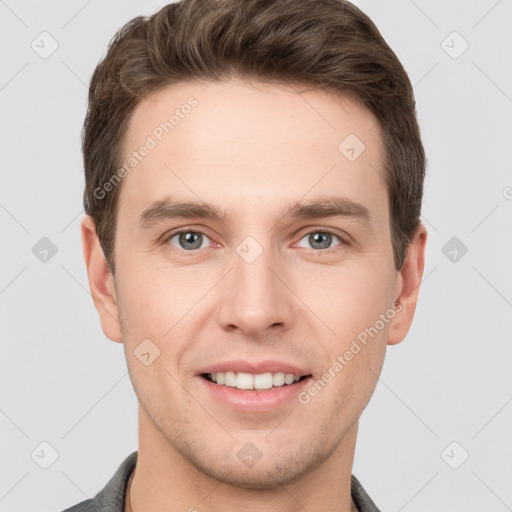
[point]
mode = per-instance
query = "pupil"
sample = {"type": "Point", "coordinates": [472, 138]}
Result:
{"type": "Point", "coordinates": [317, 237]}
{"type": "Point", "coordinates": [190, 238]}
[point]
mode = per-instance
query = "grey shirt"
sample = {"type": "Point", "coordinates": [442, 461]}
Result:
{"type": "Point", "coordinates": [111, 497]}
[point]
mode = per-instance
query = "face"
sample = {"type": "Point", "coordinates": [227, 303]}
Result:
{"type": "Point", "coordinates": [285, 260]}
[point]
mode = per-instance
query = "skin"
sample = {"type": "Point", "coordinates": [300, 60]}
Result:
{"type": "Point", "coordinates": [252, 149]}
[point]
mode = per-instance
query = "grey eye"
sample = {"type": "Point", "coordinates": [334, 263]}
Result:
{"type": "Point", "coordinates": [188, 240]}
{"type": "Point", "coordinates": [320, 239]}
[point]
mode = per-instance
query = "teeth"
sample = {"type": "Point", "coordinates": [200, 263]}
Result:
{"type": "Point", "coordinates": [230, 379]}
{"type": "Point", "coordinates": [243, 380]}
{"type": "Point", "coordinates": [263, 381]}
{"type": "Point", "coordinates": [279, 379]}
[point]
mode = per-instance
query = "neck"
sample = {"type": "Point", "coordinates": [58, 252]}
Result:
{"type": "Point", "coordinates": [165, 480]}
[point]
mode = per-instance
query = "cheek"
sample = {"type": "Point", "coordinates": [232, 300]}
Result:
{"type": "Point", "coordinates": [157, 307]}
{"type": "Point", "coordinates": [152, 301]}
{"type": "Point", "coordinates": [351, 298]}
{"type": "Point", "coordinates": [354, 346]}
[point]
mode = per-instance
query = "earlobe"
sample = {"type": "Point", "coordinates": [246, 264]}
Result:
{"type": "Point", "coordinates": [408, 287]}
{"type": "Point", "coordinates": [101, 281]}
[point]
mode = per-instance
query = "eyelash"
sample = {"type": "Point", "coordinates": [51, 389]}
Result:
{"type": "Point", "coordinates": [343, 241]}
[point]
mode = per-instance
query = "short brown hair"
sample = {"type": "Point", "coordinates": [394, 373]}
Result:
{"type": "Point", "coordinates": [329, 44]}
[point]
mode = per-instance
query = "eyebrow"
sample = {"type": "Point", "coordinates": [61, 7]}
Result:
{"type": "Point", "coordinates": [168, 208]}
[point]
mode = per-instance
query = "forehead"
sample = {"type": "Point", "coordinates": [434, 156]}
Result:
{"type": "Point", "coordinates": [251, 145]}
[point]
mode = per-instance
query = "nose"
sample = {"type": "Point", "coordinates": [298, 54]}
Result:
{"type": "Point", "coordinates": [257, 297]}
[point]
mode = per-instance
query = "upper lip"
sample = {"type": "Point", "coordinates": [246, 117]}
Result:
{"type": "Point", "coordinates": [253, 367]}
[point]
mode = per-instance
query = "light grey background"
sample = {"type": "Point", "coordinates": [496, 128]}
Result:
{"type": "Point", "coordinates": [63, 382]}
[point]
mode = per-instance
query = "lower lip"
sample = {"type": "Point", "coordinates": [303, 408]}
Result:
{"type": "Point", "coordinates": [255, 401]}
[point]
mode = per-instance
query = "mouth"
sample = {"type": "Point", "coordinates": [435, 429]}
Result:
{"type": "Point", "coordinates": [254, 386]}
{"type": "Point", "coordinates": [254, 393]}
{"type": "Point", "coordinates": [254, 382]}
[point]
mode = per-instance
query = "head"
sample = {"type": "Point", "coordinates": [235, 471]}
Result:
{"type": "Point", "coordinates": [293, 131]}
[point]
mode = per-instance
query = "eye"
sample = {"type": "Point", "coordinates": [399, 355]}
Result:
{"type": "Point", "coordinates": [188, 240]}
{"type": "Point", "coordinates": [320, 239]}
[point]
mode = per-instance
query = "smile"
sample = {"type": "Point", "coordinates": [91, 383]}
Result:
{"type": "Point", "coordinates": [256, 382]}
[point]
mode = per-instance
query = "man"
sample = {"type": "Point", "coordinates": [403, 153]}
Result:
{"type": "Point", "coordinates": [254, 178]}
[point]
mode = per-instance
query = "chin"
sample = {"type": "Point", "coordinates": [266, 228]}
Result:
{"type": "Point", "coordinates": [268, 473]}
{"type": "Point", "coordinates": [257, 479]}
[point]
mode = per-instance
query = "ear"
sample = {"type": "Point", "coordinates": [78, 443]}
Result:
{"type": "Point", "coordinates": [407, 287]}
{"type": "Point", "coordinates": [101, 281]}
